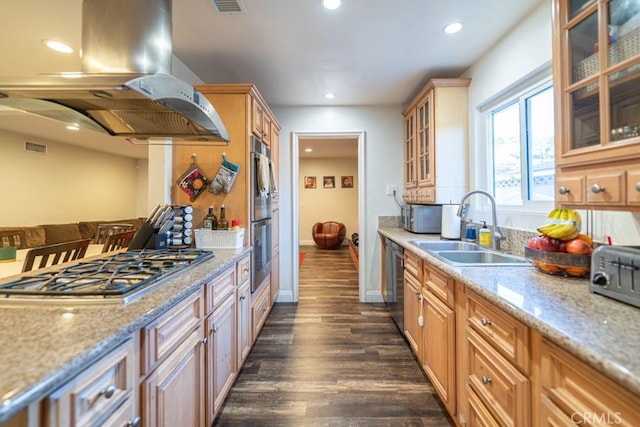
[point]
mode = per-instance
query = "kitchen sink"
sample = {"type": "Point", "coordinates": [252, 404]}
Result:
{"type": "Point", "coordinates": [468, 254]}
{"type": "Point", "coordinates": [444, 245]}
{"type": "Point", "coordinates": [484, 257]}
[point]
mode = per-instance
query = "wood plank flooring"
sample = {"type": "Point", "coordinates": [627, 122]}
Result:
{"type": "Point", "coordinates": [330, 360]}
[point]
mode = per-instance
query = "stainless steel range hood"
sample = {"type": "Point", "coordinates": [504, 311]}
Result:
{"type": "Point", "coordinates": [125, 88]}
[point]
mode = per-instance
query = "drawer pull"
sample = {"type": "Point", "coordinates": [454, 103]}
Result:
{"type": "Point", "coordinates": [136, 422]}
{"type": "Point", "coordinates": [637, 186]}
{"type": "Point", "coordinates": [204, 340]}
{"type": "Point", "coordinates": [486, 380]}
{"type": "Point", "coordinates": [596, 188]}
{"type": "Point", "coordinates": [108, 392]}
{"type": "Point", "coordinates": [564, 190]}
{"type": "Point", "coordinates": [485, 322]}
{"type": "Point", "coordinates": [243, 297]}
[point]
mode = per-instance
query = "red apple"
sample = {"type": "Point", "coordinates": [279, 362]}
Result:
{"type": "Point", "coordinates": [548, 244]}
{"type": "Point", "coordinates": [533, 243]}
{"type": "Point", "coordinates": [578, 246]}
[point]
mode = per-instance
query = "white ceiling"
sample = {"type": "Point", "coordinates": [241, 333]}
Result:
{"type": "Point", "coordinates": [369, 52]}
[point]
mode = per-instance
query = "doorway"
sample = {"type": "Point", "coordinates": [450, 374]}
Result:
{"type": "Point", "coordinates": [330, 146]}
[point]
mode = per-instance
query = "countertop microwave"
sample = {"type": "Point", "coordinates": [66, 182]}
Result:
{"type": "Point", "coordinates": [423, 219]}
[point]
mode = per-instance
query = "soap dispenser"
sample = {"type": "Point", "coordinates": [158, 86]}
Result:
{"type": "Point", "coordinates": [484, 235]}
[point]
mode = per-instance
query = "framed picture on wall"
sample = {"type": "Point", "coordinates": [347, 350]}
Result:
{"type": "Point", "coordinates": [347, 181]}
{"type": "Point", "coordinates": [329, 181]}
{"type": "Point", "coordinates": [309, 182]}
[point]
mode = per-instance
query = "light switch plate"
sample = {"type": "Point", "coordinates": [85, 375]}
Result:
{"type": "Point", "coordinates": [390, 189]}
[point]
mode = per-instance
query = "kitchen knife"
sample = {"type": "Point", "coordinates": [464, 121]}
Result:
{"type": "Point", "coordinates": [152, 214]}
{"type": "Point", "coordinates": [166, 214]}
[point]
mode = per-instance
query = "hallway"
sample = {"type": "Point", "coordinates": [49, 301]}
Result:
{"type": "Point", "coordinates": [330, 360]}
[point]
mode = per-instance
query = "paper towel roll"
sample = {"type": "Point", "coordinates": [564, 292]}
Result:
{"type": "Point", "coordinates": [450, 222]}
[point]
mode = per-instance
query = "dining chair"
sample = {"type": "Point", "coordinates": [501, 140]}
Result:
{"type": "Point", "coordinates": [13, 238]}
{"type": "Point", "coordinates": [55, 254]}
{"type": "Point", "coordinates": [105, 230]}
{"type": "Point", "coordinates": [116, 241]}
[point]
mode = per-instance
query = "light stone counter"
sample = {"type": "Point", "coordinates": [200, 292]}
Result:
{"type": "Point", "coordinates": [602, 332]}
{"type": "Point", "coordinates": [43, 346]}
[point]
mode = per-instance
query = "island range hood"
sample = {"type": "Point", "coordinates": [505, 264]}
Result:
{"type": "Point", "coordinates": [125, 87]}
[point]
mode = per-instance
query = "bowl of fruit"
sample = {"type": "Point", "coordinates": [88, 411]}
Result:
{"type": "Point", "coordinates": [561, 249]}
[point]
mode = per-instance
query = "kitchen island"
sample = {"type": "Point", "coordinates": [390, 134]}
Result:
{"type": "Point", "coordinates": [44, 345]}
{"type": "Point", "coordinates": [560, 320]}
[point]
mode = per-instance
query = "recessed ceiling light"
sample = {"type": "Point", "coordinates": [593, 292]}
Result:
{"type": "Point", "coordinates": [331, 4]}
{"type": "Point", "coordinates": [330, 95]}
{"type": "Point", "coordinates": [308, 150]}
{"type": "Point", "coordinates": [453, 28]}
{"type": "Point", "coordinates": [57, 46]}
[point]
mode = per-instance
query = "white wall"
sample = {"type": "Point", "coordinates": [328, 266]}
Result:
{"type": "Point", "coordinates": [327, 204]}
{"type": "Point", "coordinates": [68, 184]}
{"type": "Point", "coordinates": [383, 160]}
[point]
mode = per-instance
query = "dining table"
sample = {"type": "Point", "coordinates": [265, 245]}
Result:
{"type": "Point", "coordinates": [14, 267]}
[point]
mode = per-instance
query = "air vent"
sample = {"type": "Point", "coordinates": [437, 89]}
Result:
{"type": "Point", "coordinates": [35, 148]}
{"type": "Point", "coordinates": [229, 6]}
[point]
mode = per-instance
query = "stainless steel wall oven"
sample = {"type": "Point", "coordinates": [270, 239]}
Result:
{"type": "Point", "coordinates": [260, 213]}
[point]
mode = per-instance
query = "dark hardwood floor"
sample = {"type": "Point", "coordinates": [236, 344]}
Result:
{"type": "Point", "coordinates": [330, 360]}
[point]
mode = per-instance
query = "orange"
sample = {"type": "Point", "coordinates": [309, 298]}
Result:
{"type": "Point", "coordinates": [585, 238]}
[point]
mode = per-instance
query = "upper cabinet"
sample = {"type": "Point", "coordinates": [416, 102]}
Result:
{"type": "Point", "coordinates": [435, 134]}
{"type": "Point", "coordinates": [596, 66]}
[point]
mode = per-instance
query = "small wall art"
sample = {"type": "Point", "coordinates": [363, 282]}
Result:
{"type": "Point", "coordinates": [347, 181]}
{"type": "Point", "coordinates": [309, 182]}
{"type": "Point", "coordinates": [329, 182]}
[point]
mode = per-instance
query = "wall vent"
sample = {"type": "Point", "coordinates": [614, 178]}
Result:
{"type": "Point", "coordinates": [35, 148]}
{"type": "Point", "coordinates": [229, 6]}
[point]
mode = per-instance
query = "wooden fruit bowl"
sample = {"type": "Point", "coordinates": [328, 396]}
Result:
{"type": "Point", "coordinates": [559, 263]}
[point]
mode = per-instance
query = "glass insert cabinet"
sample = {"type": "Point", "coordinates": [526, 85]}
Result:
{"type": "Point", "coordinates": [596, 57]}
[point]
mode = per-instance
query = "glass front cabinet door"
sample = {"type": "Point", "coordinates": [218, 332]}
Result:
{"type": "Point", "coordinates": [596, 56]}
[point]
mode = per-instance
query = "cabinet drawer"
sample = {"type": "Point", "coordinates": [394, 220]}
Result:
{"type": "Point", "coordinates": [551, 415]}
{"type": "Point", "coordinates": [243, 270]}
{"type": "Point", "coordinates": [413, 264]}
{"type": "Point", "coordinates": [606, 188]}
{"type": "Point", "coordinates": [260, 311]}
{"type": "Point", "coordinates": [633, 187]}
{"type": "Point", "coordinates": [506, 334]}
{"type": "Point", "coordinates": [578, 389]}
{"type": "Point", "coordinates": [165, 333]}
{"type": "Point", "coordinates": [479, 415]}
{"type": "Point", "coordinates": [125, 415]}
{"type": "Point", "coordinates": [570, 189]}
{"type": "Point", "coordinates": [219, 288]}
{"type": "Point", "coordinates": [439, 284]}
{"type": "Point", "coordinates": [96, 393]}
{"type": "Point", "coordinates": [499, 385]}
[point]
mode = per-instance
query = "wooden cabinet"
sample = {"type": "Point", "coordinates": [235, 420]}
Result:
{"type": "Point", "coordinates": [413, 301]}
{"type": "Point", "coordinates": [261, 120]}
{"type": "Point", "coordinates": [571, 392]}
{"type": "Point", "coordinates": [260, 308]}
{"type": "Point", "coordinates": [436, 131]}
{"type": "Point", "coordinates": [102, 393]}
{"type": "Point", "coordinates": [244, 321]}
{"type": "Point", "coordinates": [494, 364]}
{"type": "Point", "coordinates": [596, 73]}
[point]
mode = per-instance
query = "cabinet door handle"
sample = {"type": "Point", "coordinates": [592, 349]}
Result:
{"type": "Point", "coordinates": [215, 328]}
{"type": "Point", "coordinates": [204, 340]}
{"type": "Point", "coordinates": [108, 392]}
{"type": "Point", "coordinates": [243, 297]}
{"type": "Point", "coordinates": [486, 380]}
{"type": "Point", "coordinates": [564, 190]}
{"type": "Point", "coordinates": [638, 186]}
{"type": "Point", "coordinates": [596, 188]}
{"type": "Point", "coordinates": [485, 322]}
{"type": "Point", "coordinates": [136, 422]}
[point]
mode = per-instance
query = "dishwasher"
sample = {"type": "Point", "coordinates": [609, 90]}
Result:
{"type": "Point", "coordinates": [394, 266]}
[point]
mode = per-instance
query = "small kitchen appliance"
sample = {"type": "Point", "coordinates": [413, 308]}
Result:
{"type": "Point", "coordinates": [422, 219]}
{"type": "Point", "coordinates": [119, 278]}
{"type": "Point", "coordinates": [615, 273]}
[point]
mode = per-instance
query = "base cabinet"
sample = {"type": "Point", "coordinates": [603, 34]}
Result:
{"type": "Point", "coordinates": [244, 322]}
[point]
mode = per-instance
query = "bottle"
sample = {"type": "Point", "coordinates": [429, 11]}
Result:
{"type": "Point", "coordinates": [222, 222]}
{"type": "Point", "coordinates": [484, 235]}
{"type": "Point", "coordinates": [470, 235]}
{"type": "Point", "coordinates": [210, 221]}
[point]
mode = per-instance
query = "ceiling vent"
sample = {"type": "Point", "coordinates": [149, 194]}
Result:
{"type": "Point", "coordinates": [35, 148]}
{"type": "Point", "coordinates": [229, 6]}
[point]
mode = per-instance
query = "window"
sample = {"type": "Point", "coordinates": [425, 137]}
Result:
{"type": "Point", "coordinates": [521, 137]}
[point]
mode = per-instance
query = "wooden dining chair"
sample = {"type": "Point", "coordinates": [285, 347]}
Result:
{"type": "Point", "coordinates": [116, 241]}
{"type": "Point", "coordinates": [105, 230]}
{"type": "Point", "coordinates": [13, 238]}
{"type": "Point", "coordinates": [55, 254]}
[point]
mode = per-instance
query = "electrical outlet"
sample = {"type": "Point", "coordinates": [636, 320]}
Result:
{"type": "Point", "coordinates": [391, 189]}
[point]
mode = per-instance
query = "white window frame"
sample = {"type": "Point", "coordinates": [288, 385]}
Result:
{"type": "Point", "coordinates": [484, 160]}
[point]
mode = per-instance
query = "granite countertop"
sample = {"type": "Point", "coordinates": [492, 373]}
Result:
{"type": "Point", "coordinates": [600, 331]}
{"type": "Point", "coordinates": [45, 345]}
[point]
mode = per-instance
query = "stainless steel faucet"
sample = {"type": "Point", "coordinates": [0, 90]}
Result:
{"type": "Point", "coordinates": [497, 233]}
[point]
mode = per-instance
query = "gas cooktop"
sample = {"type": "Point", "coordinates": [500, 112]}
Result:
{"type": "Point", "coordinates": [119, 277]}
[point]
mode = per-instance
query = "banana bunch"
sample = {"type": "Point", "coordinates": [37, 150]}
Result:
{"type": "Point", "coordinates": [562, 224]}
